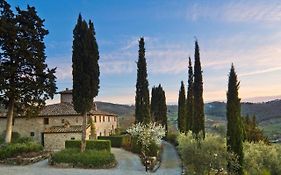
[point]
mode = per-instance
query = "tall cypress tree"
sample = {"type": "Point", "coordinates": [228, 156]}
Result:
{"type": "Point", "coordinates": [190, 98]}
{"type": "Point", "coordinates": [142, 106]}
{"type": "Point", "coordinates": [199, 119]}
{"type": "Point", "coordinates": [181, 108]}
{"type": "Point", "coordinates": [85, 56]}
{"type": "Point", "coordinates": [26, 81]}
{"type": "Point", "coordinates": [234, 123]}
{"type": "Point", "coordinates": [158, 106]}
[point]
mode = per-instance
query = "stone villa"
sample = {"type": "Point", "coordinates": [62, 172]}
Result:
{"type": "Point", "coordinates": [59, 122]}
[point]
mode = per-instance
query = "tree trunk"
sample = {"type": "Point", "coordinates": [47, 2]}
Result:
{"type": "Point", "coordinates": [84, 125]}
{"type": "Point", "coordinates": [9, 125]}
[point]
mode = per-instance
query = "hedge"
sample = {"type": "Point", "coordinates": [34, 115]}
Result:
{"type": "Point", "coordinates": [90, 144]}
{"type": "Point", "coordinates": [88, 159]}
{"type": "Point", "coordinates": [15, 149]}
{"type": "Point", "coordinates": [117, 141]}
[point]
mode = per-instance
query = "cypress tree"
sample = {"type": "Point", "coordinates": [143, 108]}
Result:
{"type": "Point", "coordinates": [190, 98]}
{"type": "Point", "coordinates": [198, 120]}
{"type": "Point", "coordinates": [158, 106]}
{"type": "Point", "coordinates": [234, 123]}
{"type": "Point", "coordinates": [142, 106]}
{"type": "Point", "coordinates": [181, 108]}
{"type": "Point", "coordinates": [85, 56]}
{"type": "Point", "coordinates": [26, 81]}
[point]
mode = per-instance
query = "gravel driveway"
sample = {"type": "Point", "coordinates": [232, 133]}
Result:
{"type": "Point", "coordinates": [128, 164]}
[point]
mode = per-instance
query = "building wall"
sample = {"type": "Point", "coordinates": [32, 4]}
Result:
{"type": "Point", "coordinates": [66, 98]}
{"type": "Point", "coordinates": [56, 141]}
{"type": "Point", "coordinates": [25, 126]}
{"type": "Point", "coordinates": [104, 126]}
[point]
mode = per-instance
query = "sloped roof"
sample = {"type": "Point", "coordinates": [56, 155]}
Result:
{"type": "Point", "coordinates": [65, 109]}
{"type": "Point", "coordinates": [64, 129]}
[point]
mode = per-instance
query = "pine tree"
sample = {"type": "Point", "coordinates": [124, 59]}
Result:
{"type": "Point", "coordinates": [190, 98]}
{"type": "Point", "coordinates": [158, 106]}
{"type": "Point", "coordinates": [181, 108]}
{"type": "Point", "coordinates": [234, 123]}
{"type": "Point", "coordinates": [26, 81]}
{"type": "Point", "coordinates": [85, 56]}
{"type": "Point", "coordinates": [142, 110]}
{"type": "Point", "coordinates": [198, 119]}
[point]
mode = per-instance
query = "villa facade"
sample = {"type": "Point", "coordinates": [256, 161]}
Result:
{"type": "Point", "coordinates": [59, 122]}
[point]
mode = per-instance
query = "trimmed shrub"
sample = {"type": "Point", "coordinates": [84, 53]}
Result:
{"type": "Point", "coordinates": [15, 149]}
{"type": "Point", "coordinates": [116, 141]}
{"type": "Point", "coordinates": [87, 159]}
{"type": "Point", "coordinates": [90, 144]}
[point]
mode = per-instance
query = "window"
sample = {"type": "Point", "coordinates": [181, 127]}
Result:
{"type": "Point", "coordinates": [100, 118]}
{"type": "Point", "coordinates": [108, 118]}
{"type": "Point", "coordinates": [46, 121]}
{"type": "Point", "coordinates": [104, 132]}
{"type": "Point", "coordinates": [100, 133]}
{"type": "Point", "coordinates": [62, 121]}
{"type": "Point", "coordinates": [103, 118]}
{"type": "Point", "coordinates": [72, 138]}
{"type": "Point", "coordinates": [95, 119]}
{"type": "Point", "coordinates": [77, 120]}
{"type": "Point", "coordinates": [32, 134]}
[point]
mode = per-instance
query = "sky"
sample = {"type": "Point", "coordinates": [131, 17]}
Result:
{"type": "Point", "coordinates": [246, 33]}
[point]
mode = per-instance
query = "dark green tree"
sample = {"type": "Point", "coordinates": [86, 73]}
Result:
{"type": "Point", "coordinates": [142, 110]}
{"type": "Point", "coordinates": [234, 134]}
{"type": "Point", "coordinates": [26, 81]}
{"type": "Point", "coordinates": [85, 56]}
{"type": "Point", "coordinates": [181, 108]}
{"type": "Point", "coordinates": [190, 98]}
{"type": "Point", "coordinates": [198, 124]}
{"type": "Point", "coordinates": [158, 106]}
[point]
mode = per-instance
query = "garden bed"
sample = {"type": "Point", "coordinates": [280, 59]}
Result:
{"type": "Point", "coordinates": [73, 158]}
{"type": "Point", "coordinates": [26, 158]}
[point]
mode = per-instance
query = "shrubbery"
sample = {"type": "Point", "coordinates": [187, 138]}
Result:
{"type": "Point", "coordinates": [90, 144]}
{"type": "Point", "coordinates": [116, 141]}
{"type": "Point", "coordinates": [204, 156]}
{"type": "Point", "coordinates": [260, 157]}
{"type": "Point", "coordinates": [14, 149]}
{"type": "Point", "coordinates": [87, 159]}
{"type": "Point", "coordinates": [172, 138]}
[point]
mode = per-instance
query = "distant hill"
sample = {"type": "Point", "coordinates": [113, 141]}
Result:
{"type": "Point", "coordinates": [119, 109]}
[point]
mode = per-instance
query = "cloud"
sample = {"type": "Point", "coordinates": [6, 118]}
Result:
{"type": "Point", "coordinates": [236, 11]}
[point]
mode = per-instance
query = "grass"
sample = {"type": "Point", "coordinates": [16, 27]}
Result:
{"type": "Point", "coordinates": [87, 159]}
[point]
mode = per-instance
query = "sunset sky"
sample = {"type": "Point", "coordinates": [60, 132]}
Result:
{"type": "Point", "coordinates": [246, 33]}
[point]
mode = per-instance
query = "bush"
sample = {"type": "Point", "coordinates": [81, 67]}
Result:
{"type": "Point", "coordinates": [204, 156]}
{"type": "Point", "coordinates": [135, 145]}
{"type": "Point", "coordinates": [87, 159]}
{"type": "Point", "coordinates": [90, 144]}
{"type": "Point", "coordinates": [172, 138]}
{"type": "Point", "coordinates": [116, 141]}
{"type": "Point", "coordinates": [15, 149]}
{"type": "Point", "coordinates": [260, 157]}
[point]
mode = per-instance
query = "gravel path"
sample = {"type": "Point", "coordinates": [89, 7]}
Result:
{"type": "Point", "coordinates": [128, 164]}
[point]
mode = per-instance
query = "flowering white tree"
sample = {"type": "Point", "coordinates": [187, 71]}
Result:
{"type": "Point", "coordinates": [147, 134]}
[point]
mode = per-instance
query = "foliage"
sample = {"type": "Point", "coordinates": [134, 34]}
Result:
{"type": "Point", "coordinates": [87, 159]}
{"type": "Point", "coordinates": [204, 156]}
{"type": "Point", "coordinates": [198, 115]}
{"type": "Point", "coordinates": [259, 157]}
{"type": "Point", "coordinates": [190, 98]}
{"type": "Point", "coordinates": [158, 106]}
{"type": "Point", "coordinates": [181, 108]}
{"type": "Point", "coordinates": [142, 110]}
{"type": "Point", "coordinates": [14, 149]}
{"type": "Point", "coordinates": [172, 138]}
{"type": "Point", "coordinates": [26, 81]}
{"type": "Point", "coordinates": [147, 134]}
{"type": "Point", "coordinates": [116, 141]}
{"type": "Point", "coordinates": [85, 70]}
{"type": "Point", "coordinates": [90, 144]}
{"type": "Point", "coordinates": [252, 132]}
{"type": "Point", "coordinates": [234, 124]}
